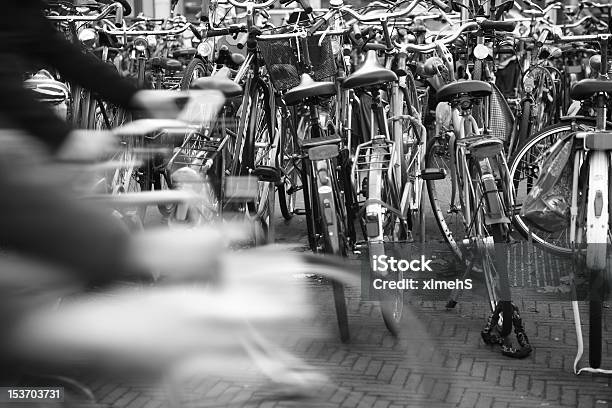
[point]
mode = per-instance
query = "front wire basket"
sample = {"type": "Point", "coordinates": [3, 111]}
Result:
{"type": "Point", "coordinates": [285, 65]}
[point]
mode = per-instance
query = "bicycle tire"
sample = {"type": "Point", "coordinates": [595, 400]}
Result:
{"type": "Point", "coordinates": [437, 156]}
{"type": "Point", "coordinates": [522, 174]}
{"type": "Point", "coordinates": [258, 151]}
{"type": "Point", "coordinates": [195, 66]}
{"type": "Point", "coordinates": [415, 156]}
{"type": "Point", "coordinates": [287, 189]}
{"type": "Point", "coordinates": [162, 181]}
{"type": "Point", "coordinates": [524, 124]}
{"type": "Point", "coordinates": [503, 283]}
{"type": "Point", "coordinates": [595, 332]}
{"type": "Point", "coordinates": [333, 232]}
{"type": "Point", "coordinates": [391, 302]}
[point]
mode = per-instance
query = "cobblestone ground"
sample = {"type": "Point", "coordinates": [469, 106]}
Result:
{"type": "Point", "coordinates": [439, 361]}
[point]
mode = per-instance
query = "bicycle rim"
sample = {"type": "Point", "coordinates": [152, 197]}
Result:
{"type": "Point", "coordinates": [379, 188]}
{"type": "Point", "coordinates": [261, 211]}
{"type": "Point", "coordinates": [449, 218]}
{"type": "Point", "coordinates": [524, 172]}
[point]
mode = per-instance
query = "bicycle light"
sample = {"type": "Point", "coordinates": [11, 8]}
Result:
{"type": "Point", "coordinates": [481, 51]}
{"type": "Point", "coordinates": [187, 178]}
{"type": "Point", "coordinates": [88, 37]}
{"type": "Point", "coordinates": [151, 40]}
{"type": "Point", "coordinates": [205, 48]}
{"type": "Point", "coordinates": [140, 44]}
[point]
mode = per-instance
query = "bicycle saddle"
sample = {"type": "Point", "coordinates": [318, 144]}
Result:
{"type": "Point", "coordinates": [588, 87]}
{"type": "Point", "coordinates": [166, 63]}
{"type": "Point", "coordinates": [308, 88]}
{"type": "Point", "coordinates": [474, 89]}
{"type": "Point", "coordinates": [370, 74]}
{"type": "Point", "coordinates": [184, 52]}
{"type": "Point", "coordinates": [220, 81]}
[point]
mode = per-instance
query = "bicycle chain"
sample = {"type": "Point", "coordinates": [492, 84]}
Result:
{"type": "Point", "coordinates": [490, 334]}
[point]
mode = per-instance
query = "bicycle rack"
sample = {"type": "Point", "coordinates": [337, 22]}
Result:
{"type": "Point", "coordinates": [362, 161]}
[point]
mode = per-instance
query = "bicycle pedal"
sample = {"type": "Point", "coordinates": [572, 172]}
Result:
{"type": "Point", "coordinates": [433, 174]}
{"type": "Point", "coordinates": [360, 246]}
{"type": "Point", "coordinates": [268, 174]}
{"type": "Point", "coordinates": [294, 190]}
{"type": "Point", "coordinates": [516, 209]}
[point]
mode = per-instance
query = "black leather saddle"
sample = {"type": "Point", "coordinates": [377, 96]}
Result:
{"type": "Point", "coordinates": [588, 87]}
{"type": "Point", "coordinates": [308, 88]}
{"type": "Point", "coordinates": [475, 89]}
{"type": "Point", "coordinates": [370, 74]}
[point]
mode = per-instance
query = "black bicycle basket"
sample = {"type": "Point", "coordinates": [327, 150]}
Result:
{"type": "Point", "coordinates": [285, 64]}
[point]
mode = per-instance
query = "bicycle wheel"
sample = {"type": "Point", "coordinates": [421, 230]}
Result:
{"type": "Point", "coordinates": [287, 190]}
{"type": "Point", "coordinates": [490, 243]}
{"type": "Point", "coordinates": [595, 332]}
{"type": "Point", "coordinates": [524, 172]}
{"type": "Point", "coordinates": [260, 153]}
{"type": "Point", "coordinates": [384, 226]}
{"type": "Point", "coordinates": [524, 130]}
{"type": "Point", "coordinates": [162, 181]}
{"type": "Point", "coordinates": [545, 96]}
{"type": "Point", "coordinates": [127, 178]}
{"type": "Point", "coordinates": [195, 69]}
{"type": "Point", "coordinates": [415, 137]}
{"type": "Point", "coordinates": [446, 208]}
{"type": "Point", "coordinates": [331, 224]}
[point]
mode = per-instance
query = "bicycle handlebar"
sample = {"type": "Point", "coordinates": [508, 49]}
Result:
{"type": "Point", "coordinates": [447, 40]}
{"type": "Point", "coordinates": [218, 32]}
{"type": "Point", "coordinates": [173, 31]}
{"type": "Point", "coordinates": [583, 38]}
{"type": "Point", "coordinates": [508, 26]}
{"type": "Point", "coordinates": [299, 34]}
{"type": "Point", "coordinates": [305, 4]}
{"type": "Point", "coordinates": [104, 13]}
{"type": "Point", "coordinates": [535, 9]}
{"type": "Point", "coordinates": [247, 4]}
{"type": "Point", "coordinates": [597, 5]}
{"type": "Point", "coordinates": [381, 16]}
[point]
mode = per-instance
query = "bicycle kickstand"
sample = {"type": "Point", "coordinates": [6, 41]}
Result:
{"type": "Point", "coordinates": [454, 296]}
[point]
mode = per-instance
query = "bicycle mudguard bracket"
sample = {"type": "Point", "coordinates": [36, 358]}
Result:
{"type": "Point", "coordinates": [324, 152]}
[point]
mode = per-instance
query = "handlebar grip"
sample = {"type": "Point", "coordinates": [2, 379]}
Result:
{"type": "Point", "coordinates": [356, 31]}
{"type": "Point", "coordinates": [306, 6]}
{"type": "Point", "coordinates": [442, 6]}
{"type": "Point", "coordinates": [119, 17]}
{"type": "Point", "coordinates": [542, 37]}
{"type": "Point", "coordinates": [218, 32]}
{"type": "Point", "coordinates": [375, 47]}
{"type": "Point", "coordinates": [195, 32]}
{"type": "Point", "coordinates": [127, 7]}
{"type": "Point", "coordinates": [498, 25]}
{"type": "Point", "coordinates": [315, 27]}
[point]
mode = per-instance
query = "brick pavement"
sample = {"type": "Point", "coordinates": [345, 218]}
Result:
{"type": "Point", "coordinates": [439, 361]}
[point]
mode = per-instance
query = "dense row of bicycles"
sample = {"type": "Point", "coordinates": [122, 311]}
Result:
{"type": "Point", "coordinates": [495, 111]}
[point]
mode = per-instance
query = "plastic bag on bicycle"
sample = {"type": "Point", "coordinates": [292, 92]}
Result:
{"type": "Point", "coordinates": [546, 206]}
